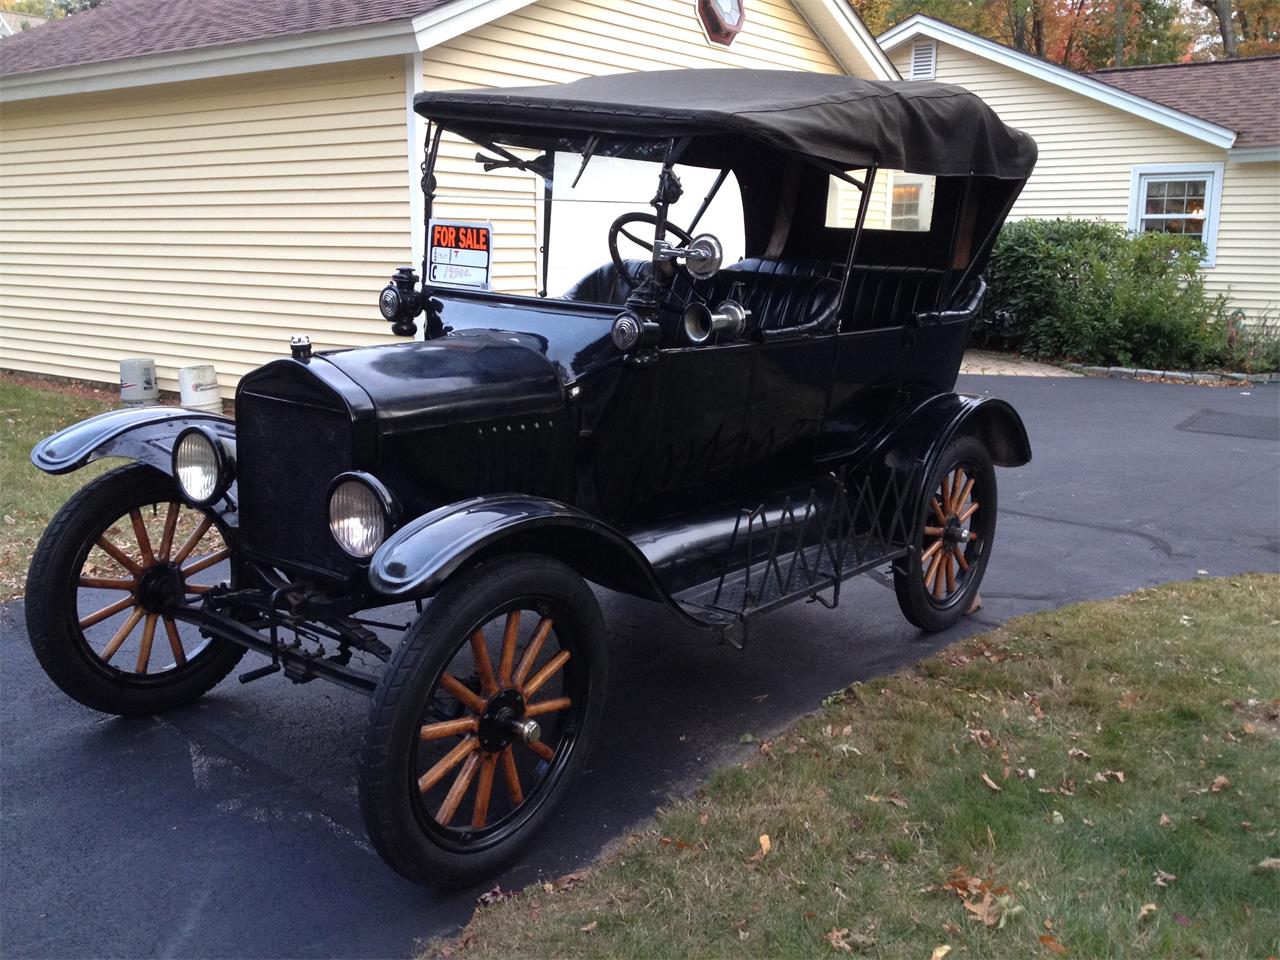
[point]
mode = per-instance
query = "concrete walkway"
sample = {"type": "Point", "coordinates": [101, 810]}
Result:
{"type": "Point", "coordinates": [987, 363]}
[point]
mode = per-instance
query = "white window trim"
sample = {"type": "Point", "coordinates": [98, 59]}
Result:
{"type": "Point", "coordinates": [1213, 197]}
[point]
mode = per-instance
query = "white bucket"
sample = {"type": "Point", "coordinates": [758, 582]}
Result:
{"type": "Point", "coordinates": [198, 388]}
{"type": "Point", "coordinates": [138, 382]}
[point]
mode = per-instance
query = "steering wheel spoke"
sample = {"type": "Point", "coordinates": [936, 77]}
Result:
{"type": "Point", "coordinates": [618, 227]}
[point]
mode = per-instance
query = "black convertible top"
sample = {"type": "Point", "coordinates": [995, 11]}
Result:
{"type": "Point", "coordinates": [917, 126]}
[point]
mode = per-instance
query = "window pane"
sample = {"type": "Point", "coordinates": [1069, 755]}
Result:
{"type": "Point", "coordinates": [1156, 188]}
{"type": "Point", "coordinates": [899, 201]}
{"type": "Point", "coordinates": [1154, 205]}
{"type": "Point", "coordinates": [1197, 188]}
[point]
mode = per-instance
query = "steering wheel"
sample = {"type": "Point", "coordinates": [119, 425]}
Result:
{"type": "Point", "coordinates": [619, 227]}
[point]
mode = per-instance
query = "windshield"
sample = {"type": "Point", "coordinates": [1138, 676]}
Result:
{"type": "Point", "coordinates": [572, 223]}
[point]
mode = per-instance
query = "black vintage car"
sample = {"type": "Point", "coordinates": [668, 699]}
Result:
{"type": "Point", "coordinates": [420, 521]}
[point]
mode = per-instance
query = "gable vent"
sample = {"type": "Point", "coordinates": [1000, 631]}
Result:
{"type": "Point", "coordinates": [924, 58]}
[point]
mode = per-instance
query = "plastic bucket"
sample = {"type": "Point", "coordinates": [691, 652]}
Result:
{"type": "Point", "coordinates": [138, 382]}
{"type": "Point", "coordinates": [198, 388]}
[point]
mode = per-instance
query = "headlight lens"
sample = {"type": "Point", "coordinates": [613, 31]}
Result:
{"type": "Point", "coordinates": [199, 466]}
{"type": "Point", "coordinates": [357, 517]}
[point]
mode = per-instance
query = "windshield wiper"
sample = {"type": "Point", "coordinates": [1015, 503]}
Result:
{"type": "Point", "coordinates": [540, 165]}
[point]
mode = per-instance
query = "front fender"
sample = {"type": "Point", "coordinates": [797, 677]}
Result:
{"type": "Point", "coordinates": [145, 434]}
{"type": "Point", "coordinates": [419, 557]}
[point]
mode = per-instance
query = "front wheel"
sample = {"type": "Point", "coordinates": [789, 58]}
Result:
{"type": "Point", "coordinates": [937, 582]}
{"type": "Point", "coordinates": [482, 719]}
{"type": "Point", "coordinates": [115, 563]}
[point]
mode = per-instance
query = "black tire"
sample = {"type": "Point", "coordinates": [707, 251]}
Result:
{"type": "Point", "coordinates": [932, 604]}
{"type": "Point", "coordinates": [54, 622]}
{"type": "Point", "coordinates": [405, 829]}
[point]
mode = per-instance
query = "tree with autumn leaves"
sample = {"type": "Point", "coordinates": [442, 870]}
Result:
{"type": "Point", "coordinates": [1091, 34]}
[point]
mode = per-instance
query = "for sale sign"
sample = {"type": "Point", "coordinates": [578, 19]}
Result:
{"type": "Point", "coordinates": [460, 253]}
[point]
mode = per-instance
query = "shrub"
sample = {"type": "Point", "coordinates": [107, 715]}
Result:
{"type": "Point", "coordinates": [1089, 291]}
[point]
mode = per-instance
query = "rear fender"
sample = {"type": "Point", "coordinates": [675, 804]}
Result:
{"type": "Point", "coordinates": [145, 434]}
{"type": "Point", "coordinates": [419, 557]}
{"type": "Point", "coordinates": [916, 443]}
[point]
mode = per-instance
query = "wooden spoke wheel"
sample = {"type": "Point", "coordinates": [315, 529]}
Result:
{"type": "Point", "coordinates": [114, 565]}
{"type": "Point", "coordinates": [938, 583]}
{"type": "Point", "coordinates": [482, 719]}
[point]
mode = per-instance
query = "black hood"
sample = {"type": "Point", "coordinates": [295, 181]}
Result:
{"type": "Point", "coordinates": [478, 376]}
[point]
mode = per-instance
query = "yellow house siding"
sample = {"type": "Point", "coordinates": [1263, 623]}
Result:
{"type": "Point", "coordinates": [1247, 268]}
{"type": "Point", "coordinates": [206, 221]}
{"type": "Point", "coordinates": [201, 222]}
{"type": "Point", "coordinates": [1087, 153]}
{"type": "Point", "coordinates": [554, 41]}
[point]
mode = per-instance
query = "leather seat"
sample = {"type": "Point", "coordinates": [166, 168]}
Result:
{"type": "Point", "coordinates": [782, 295]}
{"type": "Point", "coordinates": [786, 294]}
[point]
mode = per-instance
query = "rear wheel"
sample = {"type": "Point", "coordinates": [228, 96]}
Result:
{"type": "Point", "coordinates": [110, 570]}
{"type": "Point", "coordinates": [482, 719]}
{"type": "Point", "coordinates": [937, 583]}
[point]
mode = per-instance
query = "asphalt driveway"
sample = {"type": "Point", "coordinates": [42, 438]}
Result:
{"type": "Point", "coordinates": [230, 828]}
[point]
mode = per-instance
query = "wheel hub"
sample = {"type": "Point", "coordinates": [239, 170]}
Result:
{"type": "Point", "coordinates": [160, 588]}
{"type": "Point", "coordinates": [503, 721]}
{"type": "Point", "coordinates": [955, 533]}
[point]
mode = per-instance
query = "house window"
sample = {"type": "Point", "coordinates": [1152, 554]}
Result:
{"type": "Point", "coordinates": [1182, 199]}
{"type": "Point", "coordinates": [924, 59]}
{"type": "Point", "coordinates": [910, 201]}
{"type": "Point", "coordinates": [899, 201]}
{"type": "Point", "coordinates": [905, 212]}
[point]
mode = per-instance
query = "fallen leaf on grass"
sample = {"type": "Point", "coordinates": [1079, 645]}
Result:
{"type": "Point", "coordinates": [496, 895]}
{"type": "Point", "coordinates": [1219, 784]}
{"type": "Point", "coordinates": [1147, 910]}
{"type": "Point", "coordinates": [589, 927]}
{"type": "Point", "coordinates": [571, 881]}
{"type": "Point", "coordinates": [940, 951]}
{"type": "Point", "coordinates": [990, 783]}
{"type": "Point", "coordinates": [963, 885]}
{"type": "Point", "coordinates": [703, 817]}
{"type": "Point", "coordinates": [1166, 820]}
{"type": "Point", "coordinates": [765, 846]}
{"type": "Point", "coordinates": [678, 844]}
{"type": "Point", "coordinates": [1128, 699]}
{"type": "Point", "coordinates": [1051, 944]}
{"type": "Point", "coordinates": [896, 799]}
{"type": "Point", "coordinates": [837, 939]}
{"type": "Point", "coordinates": [1269, 865]}
{"type": "Point", "coordinates": [1102, 776]}
{"type": "Point", "coordinates": [994, 910]}
{"type": "Point", "coordinates": [983, 738]}
{"type": "Point", "coordinates": [1182, 920]}
{"type": "Point", "coordinates": [1076, 753]}
{"type": "Point", "coordinates": [1163, 879]}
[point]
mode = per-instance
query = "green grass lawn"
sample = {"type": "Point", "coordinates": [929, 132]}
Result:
{"type": "Point", "coordinates": [1097, 781]}
{"type": "Point", "coordinates": [28, 498]}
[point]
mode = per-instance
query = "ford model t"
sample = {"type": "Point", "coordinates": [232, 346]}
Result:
{"type": "Point", "coordinates": [740, 418]}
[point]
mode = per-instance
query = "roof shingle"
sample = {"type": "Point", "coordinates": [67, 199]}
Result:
{"type": "Point", "coordinates": [1242, 95]}
{"type": "Point", "coordinates": [124, 29]}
